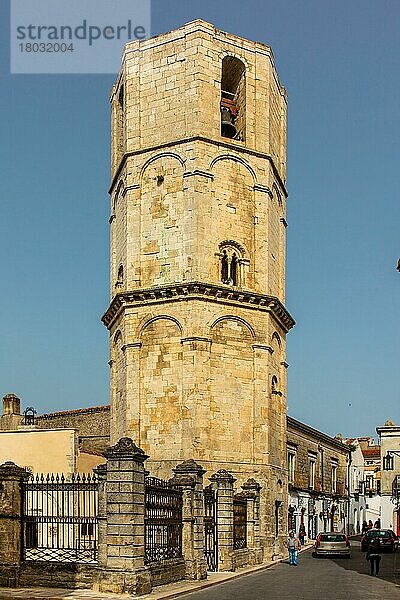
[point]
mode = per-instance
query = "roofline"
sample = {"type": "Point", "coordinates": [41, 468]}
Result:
{"type": "Point", "coordinates": [291, 422]}
{"type": "Point", "coordinates": [77, 411]}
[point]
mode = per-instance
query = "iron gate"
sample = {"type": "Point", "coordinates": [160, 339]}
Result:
{"type": "Point", "coordinates": [163, 521]}
{"type": "Point", "coordinates": [239, 522]}
{"type": "Point", "coordinates": [60, 518]}
{"type": "Point", "coordinates": [210, 528]}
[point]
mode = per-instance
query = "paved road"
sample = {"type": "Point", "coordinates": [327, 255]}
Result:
{"type": "Point", "coordinates": [314, 579]}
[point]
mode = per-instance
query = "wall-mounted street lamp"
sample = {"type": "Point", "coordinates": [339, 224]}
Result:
{"type": "Point", "coordinates": [388, 460]}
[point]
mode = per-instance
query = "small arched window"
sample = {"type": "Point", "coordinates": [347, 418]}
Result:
{"type": "Point", "coordinates": [231, 264]}
{"type": "Point", "coordinates": [121, 97]}
{"type": "Point", "coordinates": [120, 276]}
{"type": "Point", "coordinates": [224, 268]}
{"type": "Point", "coordinates": [274, 386]}
{"type": "Point", "coordinates": [233, 98]}
{"type": "Point", "coordinates": [234, 264]}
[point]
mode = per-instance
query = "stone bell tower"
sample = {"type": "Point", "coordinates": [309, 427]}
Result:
{"type": "Point", "coordinates": [197, 319]}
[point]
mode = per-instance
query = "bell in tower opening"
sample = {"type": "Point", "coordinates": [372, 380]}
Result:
{"type": "Point", "coordinates": [233, 98]}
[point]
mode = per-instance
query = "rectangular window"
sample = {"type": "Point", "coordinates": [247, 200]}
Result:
{"type": "Point", "coordinates": [312, 473]}
{"type": "Point", "coordinates": [291, 465]}
{"type": "Point", "coordinates": [369, 484]}
{"type": "Point", "coordinates": [334, 478]}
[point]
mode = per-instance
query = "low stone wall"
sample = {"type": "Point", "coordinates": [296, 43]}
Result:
{"type": "Point", "coordinates": [48, 574]}
{"type": "Point", "coordinates": [168, 571]}
{"type": "Point", "coordinates": [9, 576]}
{"type": "Point", "coordinates": [240, 558]}
{"type": "Point", "coordinates": [79, 576]}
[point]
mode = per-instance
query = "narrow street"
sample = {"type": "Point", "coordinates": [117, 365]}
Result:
{"type": "Point", "coordinates": [313, 579]}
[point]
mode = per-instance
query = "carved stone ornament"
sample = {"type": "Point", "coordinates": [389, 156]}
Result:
{"type": "Point", "coordinates": [223, 475]}
{"type": "Point", "coordinates": [189, 466]}
{"type": "Point", "coordinates": [251, 484]}
{"type": "Point", "coordinates": [10, 470]}
{"type": "Point", "coordinates": [125, 447]}
{"type": "Point", "coordinates": [183, 480]}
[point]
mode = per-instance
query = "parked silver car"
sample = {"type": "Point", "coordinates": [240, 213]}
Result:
{"type": "Point", "coordinates": [332, 544]}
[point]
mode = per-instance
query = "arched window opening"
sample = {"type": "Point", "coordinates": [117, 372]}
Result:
{"type": "Point", "coordinates": [274, 386]}
{"type": "Point", "coordinates": [234, 269]}
{"type": "Point", "coordinates": [231, 263]}
{"type": "Point", "coordinates": [121, 97]}
{"type": "Point", "coordinates": [233, 98]}
{"type": "Point", "coordinates": [119, 123]}
{"type": "Point", "coordinates": [120, 277]}
{"type": "Point", "coordinates": [224, 268]}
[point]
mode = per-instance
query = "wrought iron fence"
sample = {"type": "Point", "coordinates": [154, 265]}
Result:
{"type": "Point", "coordinates": [211, 528]}
{"type": "Point", "coordinates": [239, 522]}
{"type": "Point", "coordinates": [60, 518]}
{"type": "Point", "coordinates": [163, 521]}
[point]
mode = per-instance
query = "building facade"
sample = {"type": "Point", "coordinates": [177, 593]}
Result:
{"type": "Point", "coordinates": [197, 319]}
{"type": "Point", "coordinates": [65, 442]}
{"type": "Point", "coordinates": [317, 473]}
{"type": "Point", "coordinates": [389, 435]}
{"type": "Point", "coordinates": [358, 500]}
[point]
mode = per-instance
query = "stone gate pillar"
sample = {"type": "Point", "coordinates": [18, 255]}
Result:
{"type": "Point", "coordinates": [223, 482]}
{"type": "Point", "coordinates": [122, 569]}
{"type": "Point", "coordinates": [101, 473]}
{"type": "Point", "coordinates": [251, 490]}
{"type": "Point", "coordinates": [11, 507]}
{"type": "Point", "coordinates": [189, 477]}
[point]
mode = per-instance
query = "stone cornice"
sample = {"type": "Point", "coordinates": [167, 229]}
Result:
{"type": "Point", "coordinates": [294, 425]}
{"type": "Point", "coordinates": [199, 291]}
{"type": "Point", "coordinates": [198, 138]}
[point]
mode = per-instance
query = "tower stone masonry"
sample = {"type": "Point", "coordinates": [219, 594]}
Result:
{"type": "Point", "coordinates": [197, 319]}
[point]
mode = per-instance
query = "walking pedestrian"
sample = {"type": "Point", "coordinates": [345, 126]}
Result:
{"type": "Point", "coordinates": [370, 525]}
{"type": "Point", "coordinates": [364, 527]}
{"type": "Point", "coordinates": [374, 555]}
{"type": "Point", "coordinates": [302, 534]}
{"type": "Point", "coordinates": [293, 546]}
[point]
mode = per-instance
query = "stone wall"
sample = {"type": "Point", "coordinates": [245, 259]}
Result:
{"type": "Point", "coordinates": [168, 572]}
{"type": "Point", "coordinates": [92, 425]}
{"type": "Point", "coordinates": [58, 575]}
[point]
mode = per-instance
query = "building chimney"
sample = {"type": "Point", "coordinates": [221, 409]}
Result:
{"type": "Point", "coordinates": [11, 405]}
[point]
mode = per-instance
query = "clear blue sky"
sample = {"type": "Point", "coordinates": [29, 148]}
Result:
{"type": "Point", "coordinates": [340, 64]}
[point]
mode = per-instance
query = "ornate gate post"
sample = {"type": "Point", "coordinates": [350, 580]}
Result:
{"type": "Point", "coordinates": [11, 528]}
{"type": "Point", "coordinates": [101, 474]}
{"type": "Point", "coordinates": [251, 490]}
{"type": "Point", "coordinates": [223, 482]}
{"type": "Point", "coordinates": [123, 569]}
{"type": "Point", "coordinates": [189, 477]}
